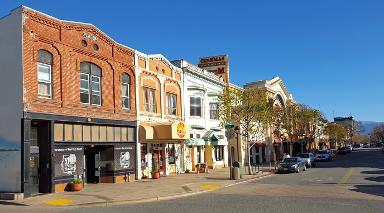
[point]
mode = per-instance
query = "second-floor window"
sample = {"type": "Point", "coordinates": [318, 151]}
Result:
{"type": "Point", "coordinates": [149, 99]}
{"type": "Point", "coordinates": [213, 111]}
{"type": "Point", "coordinates": [44, 74]}
{"type": "Point", "coordinates": [171, 104]}
{"type": "Point", "coordinates": [125, 93]}
{"type": "Point", "coordinates": [195, 106]}
{"type": "Point", "coordinates": [90, 83]}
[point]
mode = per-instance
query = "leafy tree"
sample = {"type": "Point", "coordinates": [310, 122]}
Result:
{"type": "Point", "coordinates": [335, 132]}
{"type": "Point", "coordinates": [249, 108]}
{"type": "Point", "coordinates": [378, 134]}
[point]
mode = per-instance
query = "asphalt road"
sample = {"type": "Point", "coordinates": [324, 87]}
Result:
{"type": "Point", "coordinates": [351, 183]}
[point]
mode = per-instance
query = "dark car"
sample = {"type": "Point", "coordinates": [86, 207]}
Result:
{"type": "Point", "coordinates": [342, 151]}
{"type": "Point", "coordinates": [294, 164]}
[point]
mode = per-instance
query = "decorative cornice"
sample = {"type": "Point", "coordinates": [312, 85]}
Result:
{"type": "Point", "coordinates": [69, 25]}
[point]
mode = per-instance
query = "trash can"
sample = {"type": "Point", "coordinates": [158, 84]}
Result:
{"type": "Point", "coordinates": [235, 171]}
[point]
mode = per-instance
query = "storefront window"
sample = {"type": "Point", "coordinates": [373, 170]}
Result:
{"type": "Point", "coordinates": [171, 153]}
{"type": "Point", "coordinates": [143, 148]}
{"type": "Point", "coordinates": [219, 153]}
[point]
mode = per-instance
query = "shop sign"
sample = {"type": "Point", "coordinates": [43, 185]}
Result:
{"type": "Point", "coordinates": [68, 160]}
{"type": "Point", "coordinates": [212, 59]}
{"type": "Point", "coordinates": [125, 157]}
{"type": "Point", "coordinates": [181, 130]}
{"type": "Point", "coordinates": [90, 36]}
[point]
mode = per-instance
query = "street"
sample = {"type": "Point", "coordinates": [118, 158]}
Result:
{"type": "Point", "coordinates": [350, 183]}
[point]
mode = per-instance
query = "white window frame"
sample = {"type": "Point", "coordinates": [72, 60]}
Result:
{"type": "Point", "coordinates": [85, 91]}
{"type": "Point", "coordinates": [201, 107]}
{"type": "Point", "coordinates": [170, 109]}
{"type": "Point", "coordinates": [39, 64]}
{"type": "Point", "coordinates": [147, 106]}
{"type": "Point", "coordinates": [210, 111]}
{"type": "Point", "coordinates": [90, 91]}
{"type": "Point", "coordinates": [123, 97]}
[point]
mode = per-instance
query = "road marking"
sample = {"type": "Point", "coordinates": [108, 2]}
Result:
{"type": "Point", "coordinates": [346, 176]}
{"type": "Point", "coordinates": [210, 187]}
{"type": "Point", "coordinates": [59, 202]}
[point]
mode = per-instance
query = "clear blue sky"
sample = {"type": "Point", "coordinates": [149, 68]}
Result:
{"type": "Point", "coordinates": [329, 53]}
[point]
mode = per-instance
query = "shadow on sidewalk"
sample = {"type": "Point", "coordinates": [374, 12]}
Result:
{"type": "Point", "coordinates": [7, 203]}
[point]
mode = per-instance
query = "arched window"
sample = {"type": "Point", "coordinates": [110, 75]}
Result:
{"type": "Point", "coordinates": [90, 83]}
{"type": "Point", "coordinates": [44, 74]}
{"type": "Point", "coordinates": [125, 91]}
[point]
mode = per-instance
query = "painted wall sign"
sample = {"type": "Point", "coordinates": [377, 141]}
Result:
{"type": "Point", "coordinates": [212, 59]}
{"type": "Point", "coordinates": [125, 157]}
{"type": "Point", "coordinates": [68, 160]}
{"type": "Point", "coordinates": [68, 164]}
{"type": "Point", "coordinates": [90, 36]}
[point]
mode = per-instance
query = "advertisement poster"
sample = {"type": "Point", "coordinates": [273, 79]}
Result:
{"type": "Point", "coordinates": [125, 157]}
{"type": "Point", "coordinates": [68, 161]}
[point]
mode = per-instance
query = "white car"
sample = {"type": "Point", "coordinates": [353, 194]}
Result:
{"type": "Point", "coordinates": [323, 155]}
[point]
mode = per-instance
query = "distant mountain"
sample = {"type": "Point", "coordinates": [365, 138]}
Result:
{"type": "Point", "coordinates": [369, 126]}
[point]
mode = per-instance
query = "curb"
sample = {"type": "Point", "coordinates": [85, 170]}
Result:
{"type": "Point", "coordinates": [161, 198]}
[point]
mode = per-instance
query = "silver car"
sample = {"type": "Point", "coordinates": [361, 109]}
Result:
{"type": "Point", "coordinates": [309, 159]}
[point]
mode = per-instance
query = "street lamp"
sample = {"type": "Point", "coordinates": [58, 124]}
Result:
{"type": "Point", "coordinates": [237, 131]}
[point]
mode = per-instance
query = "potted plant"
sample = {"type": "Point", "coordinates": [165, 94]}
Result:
{"type": "Point", "coordinates": [155, 168]}
{"type": "Point", "coordinates": [76, 185]}
{"type": "Point", "coordinates": [155, 174]}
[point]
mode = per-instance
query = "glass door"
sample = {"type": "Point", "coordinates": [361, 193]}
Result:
{"type": "Point", "coordinates": [33, 182]}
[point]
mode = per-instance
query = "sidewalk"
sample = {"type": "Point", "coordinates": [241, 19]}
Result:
{"type": "Point", "coordinates": [173, 186]}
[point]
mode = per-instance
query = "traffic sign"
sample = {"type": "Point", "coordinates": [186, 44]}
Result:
{"type": "Point", "coordinates": [230, 134]}
{"type": "Point", "coordinates": [229, 125]}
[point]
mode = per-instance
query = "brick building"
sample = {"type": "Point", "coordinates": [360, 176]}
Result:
{"type": "Point", "coordinates": [71, 110]}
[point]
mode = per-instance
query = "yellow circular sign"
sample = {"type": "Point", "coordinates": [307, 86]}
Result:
{"type": "Point", "coordinates": [181, 130]}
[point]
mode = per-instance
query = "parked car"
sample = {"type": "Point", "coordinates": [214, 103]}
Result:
{"type": "Point", "coordinates": [309, 159]}
{"type": "Point", "coordinates": [342, 151]}
{"type": "Point", "coordinates": [294, 164]}
{"type": "Point", "coordinates": [349, 148]}
{"type": "Point", "coordinates": [382, 148]}
{"type": "Point", "coordinates": [366, 145]}
{"type": "Point", "coordinates": [324, 155]}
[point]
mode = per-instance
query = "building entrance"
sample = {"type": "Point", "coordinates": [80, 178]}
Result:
{"type": "Point", "coordinates": [39, 170]}
{"type": "Point", "coordinates": [92, 164]}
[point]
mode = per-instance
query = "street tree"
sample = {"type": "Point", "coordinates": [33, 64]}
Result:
{"type": "Point", "coordinates": [336, 132]}
{"type": "Point", "coordinates": [378, 134]}
{"type": "Point", "coordinates": [249, 108]}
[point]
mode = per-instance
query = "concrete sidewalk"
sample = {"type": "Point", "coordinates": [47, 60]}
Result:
{"type": "Point", "coordinates": [173, 186]}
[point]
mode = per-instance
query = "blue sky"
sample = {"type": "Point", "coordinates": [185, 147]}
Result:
{"type": "Point", "coordinates": [329, 53]}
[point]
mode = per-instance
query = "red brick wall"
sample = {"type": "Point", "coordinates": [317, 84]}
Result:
{"type": "Point", "coordinates": [63, 40]}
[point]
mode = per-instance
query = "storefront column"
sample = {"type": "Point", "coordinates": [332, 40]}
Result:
{"type": "Point", "coordinates": [166, 157]}
{"type": "Point", "coordinates": [138, 155]}
{"type": "Point", "coordinates": [225, 159]}
{"type": "Point", "coordinates": [290, 148]}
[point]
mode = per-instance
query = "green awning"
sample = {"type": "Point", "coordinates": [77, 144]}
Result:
{"type": "Point", "coordinates": [196, 142]}
{"type": "Point", "coordinates": [219, 142]}
{"type": "Point", "coordinates": [210, 135]}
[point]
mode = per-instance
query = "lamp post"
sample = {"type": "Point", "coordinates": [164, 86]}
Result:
{"type": "Point", "coordinates": [237, 130]}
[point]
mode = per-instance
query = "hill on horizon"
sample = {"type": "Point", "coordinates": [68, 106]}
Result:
{"type": "Point", "coordinates": [369, 126]}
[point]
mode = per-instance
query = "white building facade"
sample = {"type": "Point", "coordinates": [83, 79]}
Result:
{"type": "Point", "coordinates": [267, 146]}
{"type": "Point", "coordinates": [207, 143]}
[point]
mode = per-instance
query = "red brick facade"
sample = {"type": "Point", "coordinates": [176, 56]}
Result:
{"type": "Point", "coordinates": [64, 41]}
